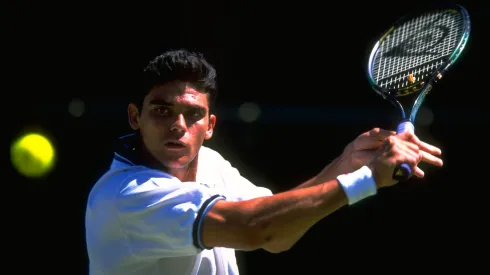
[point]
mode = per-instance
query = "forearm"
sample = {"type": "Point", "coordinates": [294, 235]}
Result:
{"type": "Point", "coordinates": [286, 219]}
{"type": "Point", "coordinates": [273, 223]}
{"type": "Point", "coordinates": [328, 173]}
{"type": "Point", "coordinates": [333, 194]}
{"type": "Point", "coordinates": [277, 222]}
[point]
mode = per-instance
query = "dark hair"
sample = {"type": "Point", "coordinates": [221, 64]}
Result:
{"type": "Point", "coordinates": [181, 65]}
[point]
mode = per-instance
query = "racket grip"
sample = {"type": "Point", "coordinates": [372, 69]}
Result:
{"type": "Point", "coordinates": [403, 171]}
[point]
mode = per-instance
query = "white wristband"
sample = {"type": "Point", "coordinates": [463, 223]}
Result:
{"type": "Point", "coordinates": [358, 184]}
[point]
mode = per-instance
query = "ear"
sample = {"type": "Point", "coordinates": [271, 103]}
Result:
{"type": "Point", "coordinates": [133, 116]}
{"type": "Point", "coordinates": [212, 123]}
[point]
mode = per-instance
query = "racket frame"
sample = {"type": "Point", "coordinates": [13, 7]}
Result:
{"type": "Point", "coordinates": [424, 86]}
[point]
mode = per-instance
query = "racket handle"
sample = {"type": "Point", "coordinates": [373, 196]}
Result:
{"type": "Point", "coordinates": [403, 171]}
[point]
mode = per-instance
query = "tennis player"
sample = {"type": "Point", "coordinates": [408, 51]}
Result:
{"type": "Point", "coordinates": [169, 205]}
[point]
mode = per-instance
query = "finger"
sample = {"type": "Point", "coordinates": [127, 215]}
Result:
{"type": "Point", "coordinates": [418, 172]}
{"type": "Point", "coordinates": [372, 139]}
{"type": "Point", "coordinates": [431, 149]}
{"type": "Point", "coordinates": [413, 158]}
{"type": "Point", "coordinates": [424, 156]}
{"type": "Point", "coordinates": [367, 143]}
{"type": "Point", "coordinates": [411, 146]}
{"type": "Point", "coordinates": [407, 154]}
{"type": "Point", "coordinates": [380, 134]}
{"type": "Point", "coordinates": [431, 159]}
{"type": "Point", "coordinates": [422, 145]}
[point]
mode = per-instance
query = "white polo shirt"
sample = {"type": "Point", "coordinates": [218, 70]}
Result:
{"type": "Point", "coordinates": [147, 222]}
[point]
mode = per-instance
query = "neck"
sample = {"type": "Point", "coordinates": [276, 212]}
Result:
{"type": "Point", "coordinates": [185, 174]}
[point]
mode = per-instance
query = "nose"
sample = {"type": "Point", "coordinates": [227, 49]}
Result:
{"type": "Point", "coordinates": [179, 124]}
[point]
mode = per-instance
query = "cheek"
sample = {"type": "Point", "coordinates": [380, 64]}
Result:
{"type": "Point", "coordinates": [198, 131]}
{"type": "Point", "coordinates": [152, 130]}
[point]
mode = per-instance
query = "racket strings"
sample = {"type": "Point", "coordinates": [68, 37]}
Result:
{"type": "Point", "coordinates": [418, 48]}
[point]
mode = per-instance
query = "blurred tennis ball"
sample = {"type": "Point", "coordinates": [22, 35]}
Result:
{"type": "Point", "coordinates": [32, 155]}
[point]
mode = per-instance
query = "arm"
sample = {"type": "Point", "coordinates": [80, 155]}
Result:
{"type": "Point", "coordinates": [276, 223]}
{"type": "Point", "coordinates": [168, 218]}
{"type": "Point", "coordinates": [330, 172]}
{"type": "Point", "coordinates": [265, 222]}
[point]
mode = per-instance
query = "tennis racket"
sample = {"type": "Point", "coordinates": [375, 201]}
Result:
{"type": "Point", "coordinates": [413, 55]}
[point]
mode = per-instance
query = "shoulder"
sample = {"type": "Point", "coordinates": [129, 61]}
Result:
{"type": "Point", "coordinates": [123, 179]}
{"type": "Point", "coordinates": [138, 189]}
{"type": "Point", "coordinates": [128, 200]}
{"type": "Point", "coordinates": [210, 155]}
{"type": "Point", "coordinates": [211, 162]}
{"type": "Point", "coordinates": [213, 166]}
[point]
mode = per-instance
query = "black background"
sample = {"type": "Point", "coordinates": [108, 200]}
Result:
{"type": "Point", "coordinates": [303, 63]}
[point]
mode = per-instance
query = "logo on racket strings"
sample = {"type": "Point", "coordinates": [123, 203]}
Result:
{"type": "Point", "coordinates": [421, 42]}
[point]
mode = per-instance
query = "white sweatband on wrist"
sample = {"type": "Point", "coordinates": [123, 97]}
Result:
{"type": "Point", "coordinates": [358, 184]}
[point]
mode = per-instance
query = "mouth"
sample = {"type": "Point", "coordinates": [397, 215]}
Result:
{"type": "Point", "coordinates": [174, 145]}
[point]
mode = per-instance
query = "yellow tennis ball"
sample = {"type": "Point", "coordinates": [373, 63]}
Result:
{"type": "Point", "coordinates": [32, 155]}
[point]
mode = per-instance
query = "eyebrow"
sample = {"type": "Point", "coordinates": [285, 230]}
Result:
{"type": "Point", "coordinates": [166, 103]}
{"type": "Point", "coordinates": [160, 102]}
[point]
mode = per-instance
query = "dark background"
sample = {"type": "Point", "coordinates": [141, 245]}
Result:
{"type": "Point", "coordinates": [303, 64]}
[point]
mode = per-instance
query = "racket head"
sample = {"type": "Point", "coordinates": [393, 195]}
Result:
{"type": "Point", "coordinates": [418, 48]}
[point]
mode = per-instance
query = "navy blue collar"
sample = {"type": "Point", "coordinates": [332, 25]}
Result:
{"type": "Point", "coordinates": [127, 149]}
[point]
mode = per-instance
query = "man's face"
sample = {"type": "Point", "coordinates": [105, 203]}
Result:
{"type": "Point", "coordinates": [174, 122]}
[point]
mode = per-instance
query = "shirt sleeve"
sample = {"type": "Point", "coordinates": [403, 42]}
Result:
{"type": "Point", "coordinates": [162, 217]}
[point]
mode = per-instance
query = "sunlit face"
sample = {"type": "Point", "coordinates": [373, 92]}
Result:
{"type": "Point", "coordinates": [173, 123]}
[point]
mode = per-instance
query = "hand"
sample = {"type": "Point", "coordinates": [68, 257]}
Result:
{"type": "Point", "coordinates": [398, 149]}
{"type": "Point", "coordinates": [361, 151]}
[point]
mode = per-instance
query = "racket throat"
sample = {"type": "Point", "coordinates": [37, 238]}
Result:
{"type": "Point", "coordinates": [402, 111]}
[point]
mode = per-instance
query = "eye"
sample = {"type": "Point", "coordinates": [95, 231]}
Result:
{"type": "Point", "coordinates": [195, 113]}
{"type": "Point", "coordinates": [163, 111]}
